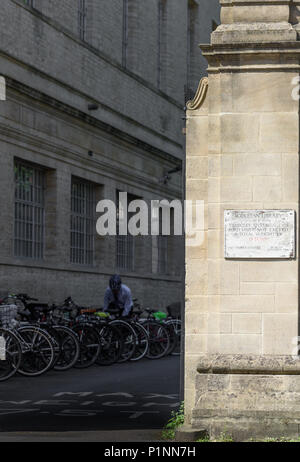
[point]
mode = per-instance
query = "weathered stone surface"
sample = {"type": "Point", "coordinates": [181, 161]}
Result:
{"type": "Point", "coordinates": [187, 434]}
{"type": "Point", "coordinates": [248, 396]}
{"type": "Point", "coordinates": [280, 333]}
{"type": "Point", "coordinates": [245, 323]}
{"type": "Point", "coordinates": [247, 426]}
{"type": "Point", "coordinates": [249, 364]}
{"type": "Point", "coordinates": [286, 297]}
{"type": "Point", "coordinates": [248, 383]}
{"type": "Point", "coordinates": [254, 21]}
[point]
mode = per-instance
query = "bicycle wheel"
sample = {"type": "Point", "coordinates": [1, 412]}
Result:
{"type": "Point", "coordinates": [176, 325]}
{"type": "Point", "coordinates": [111, 345]}
{"type": "Point", "coordinates": [89, 342]}
{"type": "Point", "coordinates": [69, 349]}
{"type": "Point", "coordinates": [11, 355]}
{"type": "Point", "coordinates": [173, 338]}
{"type": "Point", "coordinates": [129, 339]}
{"type": "Point", "coordinates": [142, 342]}
{"type": "Point", "coordinates": [55, 340]}
{"type": "Point", "coordinates": [159, 340]}
{"type": "Point", "coordinates": [38, 351]}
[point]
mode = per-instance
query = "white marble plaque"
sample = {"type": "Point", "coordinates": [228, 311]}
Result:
{"type": "Point", "coordinates": [259, 233]}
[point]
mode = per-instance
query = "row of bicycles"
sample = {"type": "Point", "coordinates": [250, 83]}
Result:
{"type": "Point", "coordinates": [36, 337]}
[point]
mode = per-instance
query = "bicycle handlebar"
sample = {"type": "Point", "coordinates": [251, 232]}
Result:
{"type": "Point", "coordinates": [26, 298]}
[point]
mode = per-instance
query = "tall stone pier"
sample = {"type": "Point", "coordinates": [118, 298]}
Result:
{"type": "Point", "coordinates": [242, 306]}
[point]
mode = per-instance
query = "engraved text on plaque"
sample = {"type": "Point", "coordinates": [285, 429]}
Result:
{"type": "Point", "coordinates": [259, 233]}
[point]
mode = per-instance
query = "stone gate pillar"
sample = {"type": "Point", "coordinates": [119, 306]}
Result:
{"type": "Point", "coordinates": [242, 308]}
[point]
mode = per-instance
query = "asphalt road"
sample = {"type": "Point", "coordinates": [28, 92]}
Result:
{"type": "Point", "coordinates": [130, 396]}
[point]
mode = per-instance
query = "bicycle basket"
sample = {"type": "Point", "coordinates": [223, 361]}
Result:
{"type": "Point", "coordinates": [8, 316]}
{"type": "Point", "coordinates": [160, 315]}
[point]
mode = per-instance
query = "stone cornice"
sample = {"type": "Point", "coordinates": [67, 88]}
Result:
{"type": "Point", "coordinates": [240, 57]}
{"type": "Point", "coordinates": [200, 95]}
{"type": "Point", "coordinates": [44, 146]}
{"type": "Point", "coordinates": [96, 270]}
{"type": "Point", "coordinates": [271, 10]}
{"type": "Point", "coordinates": [86, 118]}
{"type": "Point", "coordinates": [254, 21]}
{"type": "Point", "coordinates": [249, 364]}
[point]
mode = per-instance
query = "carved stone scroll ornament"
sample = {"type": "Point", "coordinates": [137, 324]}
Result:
{"type": "Point", "coordinates": [200, 95]}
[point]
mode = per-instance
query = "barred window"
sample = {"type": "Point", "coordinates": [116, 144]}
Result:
{"type": "Point", "coordinates": [125, 253]}
{"type": "Point", "coordinates": [162, 244]}
{"type": "Point", "coordinates": [160, 254]}
{"type": "Point", "coordinates": [29, 211]}
{"type": "Point", "coordinates": [82, 222]}
{"type": "Point", "coordinates": [82, 19]}
{"type": "Point", "coordinates": [125, 245]}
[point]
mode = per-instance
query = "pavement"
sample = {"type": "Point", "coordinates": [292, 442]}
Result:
{"type": "Point", "coordinates": [145, 436]}
{"type": "Point", "coordinates": [123, 402]}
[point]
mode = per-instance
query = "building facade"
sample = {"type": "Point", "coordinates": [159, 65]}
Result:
{"type": "Point", "coordinates": [94, 106]}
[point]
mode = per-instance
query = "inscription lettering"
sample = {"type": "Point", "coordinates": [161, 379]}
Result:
{"type": "Point", "coordinates": [259, 233]}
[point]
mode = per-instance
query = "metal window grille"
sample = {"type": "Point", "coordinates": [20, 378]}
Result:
{"type": "Point", "coordinates": [29, 220]}
{"type": "Point", "coordinates": [125, 253]}
{"type": "Point", "coordinates": [82, 222]}
{"type": "Point", "coordinates": [125, 245]}
{"type": "Point", "coordinates": [125, 33]}
{"type": "Point", "coordinates": [82, 11]}
{"type": "Point", "coordinates": [162, 245]}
